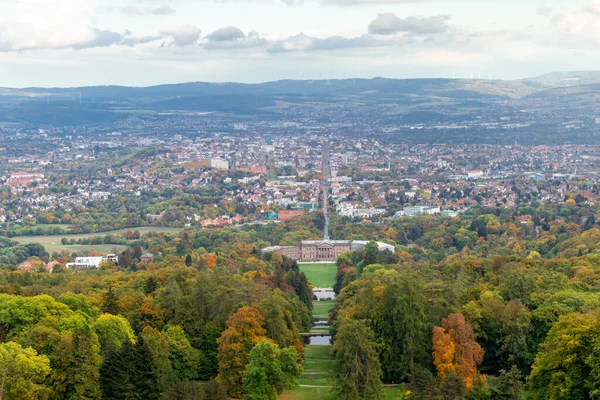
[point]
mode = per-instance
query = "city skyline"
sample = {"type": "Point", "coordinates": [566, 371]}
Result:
{"type": "Point", "coordinates": [92, 42]}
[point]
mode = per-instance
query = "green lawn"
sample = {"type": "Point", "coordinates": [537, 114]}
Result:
{"type": "Point", "coordinates": [318, 352]}
{"type": "Point", "coordinates": [320, 275]}
{"type": "Point", "coordinates": [316, 365]}
{"type": "Point", "coordinates": [52, 242]}
{"type": "Point", "coordinates": [322, 307]}
{"type": "Point", "coordinates": [304, 393]}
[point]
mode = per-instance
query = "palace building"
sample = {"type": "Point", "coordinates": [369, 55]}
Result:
{"type": "Point", "coordinates": [321, 250]}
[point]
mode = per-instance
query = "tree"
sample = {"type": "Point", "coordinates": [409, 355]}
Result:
{"type": "Point", "coordinates": [356, 368]}
{"type": "Point", "coordinates": [456, 351]}
{"type": "Point", "coordinates": [244, 329]}
{"type": "Point", "coordinates": [110, 301]}
{"type": "Point", "coordinates": [403, 316]}
{"type": "Point", "coordinates": [508, 385]}
{"type": "Point", "coordinates": [22, 372]}
{"type": "Point", "coordinates": [129, 372]}
{"type": "Point", "coordinates": [184, 358]}
{"type": "Point", "coordinates": [270, 370]}
{"type": "Point", "coordinates": [76, 365]}
{"type": "Point", "coordinates": [215, 391]}
{"type": "Point", "coordinates": [567, 365]}
{"type": "Point", "coordinates": [115, 381]}
{"type": "Point", "coordinates": [150, 285]}
{"type": "Point", "coordinates": [158, 346]}
{"type": "Point", "coordinates": [113, 329]}
{"type": "Point", "coordinates": [137, 252]}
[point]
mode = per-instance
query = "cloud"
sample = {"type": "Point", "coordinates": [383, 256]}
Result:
{"type": "Point", "coordinates": [231, 37]}
{"type": "Point", "coordinates": [133, 11]}
{"type": "Point", "coordinates": [184, 35]}
{"type": "Point", "coordinates": [303, 42]}
{"type": "Point", "coordinates": [580, 23]}
{"type": "Point", "coordinates": [227, 33]}
{"type": "Point", "coordinates": [390, 24]}
{"type": "Point", "coordinates": [371, 2]}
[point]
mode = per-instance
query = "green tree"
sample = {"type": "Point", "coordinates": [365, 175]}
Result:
{"type": "Point", "coordinates": [158, 346]}
{"type": "Point", "coordinates": [129, 372]}
{"type": "Point", "coordinates": [562, 368]}
{"type": "Point", "coordinates": [508, 385]}
{"type": "Point", "coordinates": [113, 329]}
{"type": "Point", "coordinates": [356, 368]}
{"type": "Point", "coordinates": [110, 301]}
{"type": "Point", "coordinates": [76, 366]}
{"type": "Point", "coordinates": [22, 372]}
{"type": "Point", "coordinates": [184, 358]}
{"type": "Point", "coordinates": [403, 316]}
{"type": "Point", "coordinates": [215, 391]}
{"type": "Point", "coordinates": [270, 370]}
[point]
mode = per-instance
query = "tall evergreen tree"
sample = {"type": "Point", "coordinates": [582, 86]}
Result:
{"type": "Point", "coordinates": [110, 300]}
{"type": "Point", "coordinates": [77, 361]}
{"type": "Point", "coordinates": [146, 377]}
{"type": "Point", "coordinates": [402, 329]}
{"type": "Point", "coordinates": [356, 368]}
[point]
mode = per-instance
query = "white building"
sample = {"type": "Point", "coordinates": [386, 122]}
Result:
{"type": "Point", "coordinates": [360, 245]}
{"type": "Point", "coordinates": [92, 262]}
{"type": "Point", "coordinates": [474, 174]}
{"type": "Point", "coordinates": [416, 210]}
{"type": "Point", "coordinates": [218, 163]}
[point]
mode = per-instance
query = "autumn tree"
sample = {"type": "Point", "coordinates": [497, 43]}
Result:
{"type": "Point", "coordinates": [22, 372]}
{"type": "Point", "coordinates": [356, 368]}
{"type": "Point", "coordinates": [456, 351]}
{"type": "Point", "coordinates": [567, 365]}
{"type": "Point", "coordinates": [244, 330]}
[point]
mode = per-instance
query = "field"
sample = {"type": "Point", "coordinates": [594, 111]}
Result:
{"type": "Point", "coordinates": [52, 243]}
{"type": "Point", "coordinates": [322, 307]}
{"type": "Point", "coordinates": [316, 393]}
{"type": "Point", "coordinates": [320, 275]}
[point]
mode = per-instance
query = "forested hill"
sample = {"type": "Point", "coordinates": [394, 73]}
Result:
{"type": "Point", "coordinates": [449, 97]}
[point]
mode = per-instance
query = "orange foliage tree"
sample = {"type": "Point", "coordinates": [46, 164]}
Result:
{"type": "Point", "coordinates": [243, 330]}
{"type": "Point", "coordinates": [455, 350]}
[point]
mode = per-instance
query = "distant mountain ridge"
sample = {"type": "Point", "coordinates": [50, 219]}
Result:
{"type": "Point", "coordinates": [546, 102]}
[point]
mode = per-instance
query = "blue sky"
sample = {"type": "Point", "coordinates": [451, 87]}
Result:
{"type": "Point", "coordinates": [146, 42]}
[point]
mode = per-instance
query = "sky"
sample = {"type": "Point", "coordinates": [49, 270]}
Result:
{"type": "Point", "coordinates": [65, 43]}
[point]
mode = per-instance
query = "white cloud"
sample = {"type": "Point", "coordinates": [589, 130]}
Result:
{"type": "Point", "coordinates": [184, 35]}
{"type": "Point", "coordinates": [581, 22]}
{"type": "Point", "coordinates": [389, 24]}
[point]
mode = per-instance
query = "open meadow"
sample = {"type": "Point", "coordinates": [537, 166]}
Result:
{"type": "Point", "coordinates": [52, 243]}
{"type": "Point", "coordinates": [320, 275]}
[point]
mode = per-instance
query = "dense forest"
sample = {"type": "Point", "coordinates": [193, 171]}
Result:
{"type": "Point", "coordinates": [495, 304]}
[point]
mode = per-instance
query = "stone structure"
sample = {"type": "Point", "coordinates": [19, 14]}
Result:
{"type": "Point", "coordinates": [322, 250]}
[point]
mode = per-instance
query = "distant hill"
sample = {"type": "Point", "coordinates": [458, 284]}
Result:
{"type": "Point", "coordinates": [565, 95]}
{"type": "Point", "coordinates": [565, 79]}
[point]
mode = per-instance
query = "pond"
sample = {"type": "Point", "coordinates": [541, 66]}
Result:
{"type": "Point", "coordinates": [318, 340]}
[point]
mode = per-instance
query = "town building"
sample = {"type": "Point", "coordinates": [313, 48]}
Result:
{"type": "Point", "coordinates": [92, 262]}
{"type": "Point", "coordinates": [218, 163]}
{"type": "Point", "coordinates": [416, 210]}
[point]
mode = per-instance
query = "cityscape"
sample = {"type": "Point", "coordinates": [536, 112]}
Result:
{"type": "Point", "coordinates": [299, 200]}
